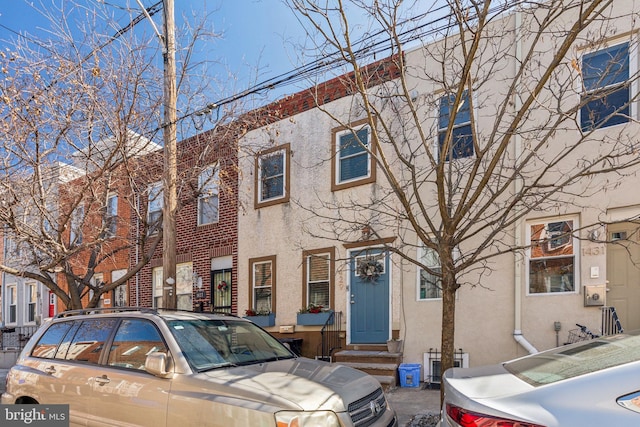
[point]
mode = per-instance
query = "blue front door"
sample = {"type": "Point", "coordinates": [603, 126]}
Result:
{"type": "Point", "coordinates": [369, 297]}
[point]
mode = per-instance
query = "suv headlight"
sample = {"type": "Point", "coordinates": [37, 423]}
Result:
{"type": "Point", "coordinates": [307, 419]}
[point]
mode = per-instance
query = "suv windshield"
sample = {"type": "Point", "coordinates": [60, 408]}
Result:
{"type": "Point", "coordinates": [209, 344]}
{"type": "Point", "coordinates": [568, 362]}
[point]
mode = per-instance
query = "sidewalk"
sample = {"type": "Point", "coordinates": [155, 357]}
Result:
{"type": "Point", "coordinates": [415, 407]}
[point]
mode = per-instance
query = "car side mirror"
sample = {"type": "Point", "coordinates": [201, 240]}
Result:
{"type": "Point", "coordinates": [157, 364]}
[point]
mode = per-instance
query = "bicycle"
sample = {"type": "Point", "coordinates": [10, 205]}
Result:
{"type": "Point", "coordinates": [581, 334]}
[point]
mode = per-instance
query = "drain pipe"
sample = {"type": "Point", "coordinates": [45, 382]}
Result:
{"type": "Point", "coordinates": [518, 259]}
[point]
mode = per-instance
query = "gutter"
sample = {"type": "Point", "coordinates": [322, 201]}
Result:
{"type": "Point", "coordinates": [518, 281]}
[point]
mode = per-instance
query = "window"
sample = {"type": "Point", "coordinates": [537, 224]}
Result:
{"type": "Point", "coordinates": [430, 282]}
{"type": "Point", "coordinates": [134, 341]}
{"type": "Point", "coordinates": [318, 279]}
{"type": "Point", "coordinates": [462, 138]}
{"type": "Point", "coordinates": [352, 161]}
{"type": "Point", "coordinates": [154, 207]}
{"type": "Point", "coordinates": [88, 342]}
{"type": "Point", "coordinates": [98, 281]}
{"type": "Point", "coordinates": [605, 79]}
{"type": "Point", "coordinates": [12, 299]}
{"type": "Point", "coordinates": [157, 287]}
{"type": "Point", "coordinates": [48, 343]}
{"type": "Point", "coordinates": [31, 298]}
{"type": "Point", "coordinates": [263, 284]}
{"type": "Point", "coordinates": [111, 216]}
{"type": "Point", "coordinates": [208, 199]}
{"type": "Point", "coordinates": [120, 293]}
{"type": "Point", "coordinates": [272, 176]}
{"type": "Point", "coordinates": [184, 286]}
{"type": "Point", "coordinates": [552, 257]}
{"type": "Point", "coordinates": [77, 219]}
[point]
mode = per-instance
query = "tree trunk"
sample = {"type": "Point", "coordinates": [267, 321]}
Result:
{"type": "Point", "coordinates": [448, 325]}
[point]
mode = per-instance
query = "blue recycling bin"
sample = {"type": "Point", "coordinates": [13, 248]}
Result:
{"type": "Point", "coordinates": [409, 374]}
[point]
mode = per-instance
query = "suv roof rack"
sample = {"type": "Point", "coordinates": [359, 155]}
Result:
{"type": "Point", "coordinates": [96, 310]}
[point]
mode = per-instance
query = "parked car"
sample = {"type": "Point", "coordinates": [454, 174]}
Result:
{"type": "Point", "coordinates": [590, 383]}
{"type": "Point", "coordinates": [146, 367]}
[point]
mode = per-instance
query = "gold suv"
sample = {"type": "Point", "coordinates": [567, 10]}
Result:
{"type": "Point", "coordinates": [145, 367]}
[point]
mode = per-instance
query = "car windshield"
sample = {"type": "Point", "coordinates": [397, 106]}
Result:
{"type": "Point", "coordinates": [210, 344]}
{"type": "Point", "coordinates": [567, 362]}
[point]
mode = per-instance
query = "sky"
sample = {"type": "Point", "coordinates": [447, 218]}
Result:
{"type": "Point", "coordinates": [259, 39]}
{"type": "Point", "coordinates": [256, 35]}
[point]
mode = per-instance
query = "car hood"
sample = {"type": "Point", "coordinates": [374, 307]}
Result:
{"type": "Point", "coordinates": [295, 384]}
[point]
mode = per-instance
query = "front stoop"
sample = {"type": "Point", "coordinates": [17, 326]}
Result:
{"type": "Point", "coordinates": [381, 364]}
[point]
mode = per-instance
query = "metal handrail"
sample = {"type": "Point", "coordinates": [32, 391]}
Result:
{"type": "Point", "coordinates": [330, 335]}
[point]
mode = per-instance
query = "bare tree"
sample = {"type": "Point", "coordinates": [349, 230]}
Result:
{"type": "Point", "coordinates": [493, 118]}
{"type": "Point", "coordinates": [80, 112]}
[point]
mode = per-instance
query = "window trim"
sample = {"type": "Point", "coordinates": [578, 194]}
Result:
{"type": "Point", "coordinates": [260, 260]}
{"type": "Point", "coordinates": [213, 185]}
{"type": "Point", "coordinates": [576, 254]}
{"type": "Point", "coordinates": [331, 251]}
{"type": "Point", "coordinates": [630, 83]}
{"type": "Point", "coordinates": [259, 202]}
{"type": "Point", "coordinates": [337, 185]}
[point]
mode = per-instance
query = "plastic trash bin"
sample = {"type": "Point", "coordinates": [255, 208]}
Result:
{"type": "Point", "coordinates": [409, 374]}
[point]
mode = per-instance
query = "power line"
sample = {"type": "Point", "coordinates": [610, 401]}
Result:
{"type": "Point", "coordinates": [332, 61]}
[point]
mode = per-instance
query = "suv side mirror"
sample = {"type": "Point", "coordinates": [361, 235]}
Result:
{"type": "Point", "coordinates": [156, 363]}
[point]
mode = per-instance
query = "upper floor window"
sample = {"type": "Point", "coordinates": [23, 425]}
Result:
{"type": "Point", "coordinates": [552, 257]}
{"type": "Point", "coordinates": [111, 215]}
{"type": "Point", "coordinates": [155, 204]}
{"type": "Point", "coordinates": [272, 176]}
{"type": "Point", "coordinates": [605, 79]}
{"type": "Point", "coordinates": [352, 161]}
{"type": "Point", "coordinates": [77, 219]}
{"type": "Point", "coordinates": [263, 284]}
{"type": "Point", "coordinates": [462, 136]}
{"type": "Point", "coordinates": [208, 198]}
{"type": "Point", "coordinates": [429, 279]}
{"type": "Point", "coordinates": [317, 272]}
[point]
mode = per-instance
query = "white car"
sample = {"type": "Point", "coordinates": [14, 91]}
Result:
{"type": "Point", "coordinates": [590, 383]}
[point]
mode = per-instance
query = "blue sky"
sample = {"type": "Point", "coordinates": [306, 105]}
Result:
{"type": "Point", "coordinates": [252, 46]}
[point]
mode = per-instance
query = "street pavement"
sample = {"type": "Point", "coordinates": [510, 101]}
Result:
{"type": "Point", "coordinates": [415, 407]}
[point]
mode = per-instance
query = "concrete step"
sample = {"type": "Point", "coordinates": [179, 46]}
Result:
{"type": "Point", "coordinates": [381, 364]}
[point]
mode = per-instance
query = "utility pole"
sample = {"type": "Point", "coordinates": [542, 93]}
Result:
{"type": "Point", "coordinates": [169, 296]}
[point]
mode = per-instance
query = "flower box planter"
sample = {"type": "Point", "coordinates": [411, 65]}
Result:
{"type": "Point", "coordinates": [310, 319]}
{"type": "Point", "coordinates": [264, 320]}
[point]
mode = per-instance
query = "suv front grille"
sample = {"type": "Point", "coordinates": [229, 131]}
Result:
{"type": "Point", "coordinates": [366, 410]}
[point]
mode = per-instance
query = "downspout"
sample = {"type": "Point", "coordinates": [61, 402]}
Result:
{"type": "Point", "coordinates": [517, 312]}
